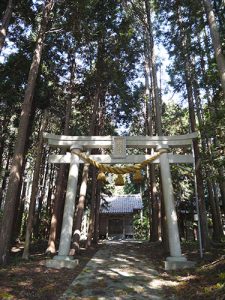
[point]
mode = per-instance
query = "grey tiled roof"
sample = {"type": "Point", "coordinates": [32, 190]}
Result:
{"type": "Point", "coordinates": [121, 204]}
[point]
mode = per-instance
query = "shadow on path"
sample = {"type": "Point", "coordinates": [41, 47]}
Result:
{"type": "Point", "coordinates": [119, 270]}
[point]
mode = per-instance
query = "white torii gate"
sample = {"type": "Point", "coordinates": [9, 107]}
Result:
{"type": "Point", "coordinates": [119, 145]}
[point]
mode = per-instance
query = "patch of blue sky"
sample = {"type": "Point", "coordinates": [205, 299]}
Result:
{"type": "Point", "coordinates": [7, 51]}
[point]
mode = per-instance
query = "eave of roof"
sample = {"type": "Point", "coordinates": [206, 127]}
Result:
{"type": "Point", "coordinates": [122, 204]}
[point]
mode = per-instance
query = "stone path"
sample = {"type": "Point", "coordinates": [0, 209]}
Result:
{"type": "Point", "coordinates": [119, 270]}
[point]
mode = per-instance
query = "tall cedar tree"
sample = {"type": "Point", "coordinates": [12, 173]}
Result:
{"type": "Point", "coordinates": [18, 157]}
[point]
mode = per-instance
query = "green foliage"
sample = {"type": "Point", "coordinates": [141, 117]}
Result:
{"type": "Point", "coordinates": [6, 296]}
{"type": "Point", "coordinates": [130, 187]}
{"type": "Point", "coordinates": [141, 227]}
{"type": "Point", "coordinates": [222, 276]}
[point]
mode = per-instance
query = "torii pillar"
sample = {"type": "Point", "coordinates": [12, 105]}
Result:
{"type": "Point", "coordinates": [63, 259]}
{"type": "Point", "coordinates": [175, 260]}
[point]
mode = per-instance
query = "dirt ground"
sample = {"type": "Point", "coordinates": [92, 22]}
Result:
{"type": "Point", "coordinates": [28, 280]}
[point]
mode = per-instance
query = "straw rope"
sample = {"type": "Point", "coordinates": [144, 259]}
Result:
{"type": "Point", "coordinates": [117, 170]}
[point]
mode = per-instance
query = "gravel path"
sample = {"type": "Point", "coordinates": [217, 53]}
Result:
{"type": "Point", "coordinates": [119, 270]}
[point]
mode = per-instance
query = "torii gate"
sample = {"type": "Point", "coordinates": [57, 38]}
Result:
{"type": "Point", "coordinates": [118, 144]}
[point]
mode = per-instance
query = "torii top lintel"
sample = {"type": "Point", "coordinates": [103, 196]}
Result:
{"type": "Point", "coordinates": [91, 142]}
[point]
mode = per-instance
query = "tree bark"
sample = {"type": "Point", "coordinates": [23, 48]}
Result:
{"type": "Point", "coordinates": [20, 191]}
{"type": "Point", "coordinates": [94, 125]}
{"type": "Point", "coordinates": [188, 79]}
{"type": "Point", "coordinates": [4, 125]}
{"type": "Point", "coordinates": [215, 217]}
{"type": "Point", "coordinates": [80, 211]}
{"type": "Point", "coordinates": [153, 201]}
{"type": "Point", "coordinates": [18, 157]}
{"type": "Point", "coordinates": [19, 219]}
{"type": "Point", "coordinates": [218, 212]}
{"type": "Point", "coordinates": [222, 186]}
{"type": "Point", "coordinates": [5, 23]}
{"type": "Point", "coordinates": [155, 204]}
{"type": "Point", "coordinates": [56, 219]}
{"type": "Point", "coordinates": [152, 65]}
{"type": "Point", "coordinates": [97, 208]}
{"type": "Point", "coordinates": [50, 180]}
{"type": "Point", "coordinates": [215, 211]}
{"type": "Point", "coordinates": [34, 190]}
{"type": "Point", "coordinates": [4, 180]}
{"type": "Point", "coordinates": [217, 45]}
{"type": "Point", "coordinates": [83, 188]}
{"type": "Point", "coordinates": [199, 177]}
{"type": "Point", "coordinates": [92, 208]}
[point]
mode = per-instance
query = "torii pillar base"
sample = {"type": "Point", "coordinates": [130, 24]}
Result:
{"type": "Point", "coordinates": [62, 261]}
{"type": "Point", "coordinates": [176, 263]}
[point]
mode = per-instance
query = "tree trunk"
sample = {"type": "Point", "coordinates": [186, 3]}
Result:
{"type": "Point", "coordinates": [215, 211]}
{"type": "Point", "coordinates": [200, 187]}
{"type": "Point", "coordinates": [18, 157]}
{"type": "Point", "coordinates": [80, 211]}
{"type": "Point", "coordinates": [154, 217]}
{"type": "Point", "coordinates": [92, 209]}
{"type": "Point", "coordinates": [34, 190]}
{"type": "Point", "coordinates": [152, 73]}
{"type": "Point", "coordinates": [215, 220]}
{"type": "Point", "coordinates": [217, 45]}
{"type": "Point", "coordinates": [4, 181]}
{"type": "Point", "coordinates": [19, 220]}
{"type": "Point", "coordinates": [83, 188]}
{"type": "Point", "coordinates": [50, 190]}
{"type": "Point", "coordinates": [15, 230]}
{"type": "Point", "coordinates": [57, 207]}
{"type": "Point", "coordinates": [4, 125]}
{"type": "Point", "coordinates": [56, 220]}
{"type": "Point", "coordinates": [222, 186]}
{"type": "Point", "coordinates": [218, 212]}
{"type": "Point", "coordinates": [188, 78]}
{"type": "Point", "coordinates": [152, 65]}
{"type": "Point", "coordinates": [92, 131]}
{"type": "Point", "coordinates": [154, 233]}
{"type": "Point", "coordinates": [5, 23]}
{"type": "Point", "coordinates": [97, 208]}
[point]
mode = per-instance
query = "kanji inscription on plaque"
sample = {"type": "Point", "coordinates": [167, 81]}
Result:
{"type": "Point", "coordinates": [119, 147]}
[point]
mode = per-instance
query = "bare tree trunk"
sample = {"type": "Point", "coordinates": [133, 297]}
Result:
{"type": "Point", "coordinates": [188, 75]}
{"type": "Point", "coordinates": [19, 219]}
{"type": "Point", "coordinates": [200, 187]}
{"type": "Point", "coordinates": [215, 221]}
{"type": "Point", "coordinates": [153, 201]}
{"type": "Point", "coordinates": [222, 186]}
{"type": "Point", "coordinates": [4, 124]}
{"type": "Point", "coordinates": [92, 209]}
{"type": "Point", "coordinates": [158, 122]}
{"type": "Point", "coordinates": [5, 23]}
{"type": "Point", "coordinates": [97, 208]}
{"type": "Point", "coordinates": [56, 219]}
{"type": "Point", "coordinates": [217, 45]}
{"type": "Point", "coordinates": [152, 66]}
{"type": "Point", "coordinates": [34, 190]}
{"type": "Point", "coordinates": [80, 211]}
{"type": "Point", "coordinates": [215, 211]}
{"type": "Point", "coordinates": [50, 174]}
{"type": "Point", "coordinates": [18, 157]}
{"type": "Point", "coordinates": [15, 230]}
{"type": "Point", "coordinates": [220, 233]}
{"type": "Point", "coordinates": [83, 190]}
{"type": "Point", "coordinates": [5, 177]}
